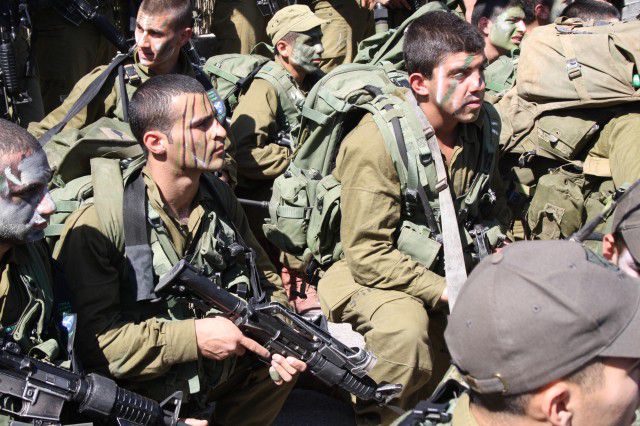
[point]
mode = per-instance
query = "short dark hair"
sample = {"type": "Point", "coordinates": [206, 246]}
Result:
{"type": "Point", "coordinates": [434, 35]}
{"type": "Point", "coordinates": [181, 11]}
{"type": "Point", "coordinates": [529, 7]}
{"type": "Point", "coordinates": [150, 106]}
{"type": "Point", "coordinates": [591, 9]}
{"type": "Point", "coordinates": [589, 378]}
{"type": "Point", "coordinates": [14, 139]}
{"type": "Point", "coordinates": [490, 9]}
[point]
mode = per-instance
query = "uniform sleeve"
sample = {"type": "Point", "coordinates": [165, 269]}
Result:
{"type": "Point", "coordinates": [500, 211]}
{"type": "Point", "coordinates": [111, 341]}
{"type": "Point", "coordinates": [625, 150]}
{"type": "Point", "coordinates": [100, 106]}
{"type": "Point", "coordinates": [254, 120]}
{"type": "Point", "coordinates": [370, 208]}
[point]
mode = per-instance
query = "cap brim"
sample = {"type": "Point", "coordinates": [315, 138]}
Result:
{"type": "Point", "coordinates": [632, 240]}
{"type": "Point", "coordinates": [627, 343]}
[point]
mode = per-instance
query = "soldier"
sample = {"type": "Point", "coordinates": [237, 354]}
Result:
{"type": "Point", "coordinates": [268, 114]}
{"type": "Point", "coordinates": [65, 52]}
{"type": "Point", "coordinates": [238, 25]}
{"type": "Point", "coordinates": [502, 24]}
{"type": "Point", "coordinates": [537, 12]}
{"type": "Point", "coordinates": [537, 343]}
{"type": "Point", "coordinates": [157, 347]}
{"type": "Point", "coordinates": [390, 285]}
{"type": "Point", "coordinates": [622, 245]}
{"type": "Point", "coordinates": [162, 28]}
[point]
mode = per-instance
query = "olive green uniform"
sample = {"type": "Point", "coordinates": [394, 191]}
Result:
{"type": "Point", "coordinates": [107, 103]}
{"type": "Point", "coordinates": [64, 53]}
{"type": "Point", "coordinates": [239, 26]}
{"type": "Point", "coordinates": [386, 295]}
{"type": "Point", "coordinates": [500, 76]}
{"type": "Point", "coordinates": [151, 347]}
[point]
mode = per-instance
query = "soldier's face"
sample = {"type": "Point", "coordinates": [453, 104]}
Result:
{"type": "Point", "coordinates": [25, 203]}
{"type": "Point", "coordinates": [307, 50]}
{"type": "Point", "coordinates": [158, 42]}
{"type": "Point", "coordinates": [507, 29]}
{"type": "Point", "coordinates": [197, 138]}
{"type": "Point", "coordinates": [456, 87]}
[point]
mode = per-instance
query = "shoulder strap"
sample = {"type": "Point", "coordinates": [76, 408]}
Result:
{"type": "Point", "coordinates": [454, 265]}
{"type": "Point", "coordinates": [88, 95]}
{"type": "Point", "coordinates": [290, 97]}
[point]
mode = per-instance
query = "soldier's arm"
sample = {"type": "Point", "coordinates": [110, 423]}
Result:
{"type": "Point", "coordinates": [499, 212]}
{"type": "Point", "coordinates": [254, 120]}
{"type": "Point", "coordinates": [370, 207]}
{"type": "Point", "coordinates": [97, 107]}
{"type": "Point", "coordinates": [125, 346]}
{"type": "Point", "coordinates": [624, 157]}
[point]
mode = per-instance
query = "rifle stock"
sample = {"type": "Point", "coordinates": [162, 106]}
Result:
{"type": "Point", "coordinates": [283, 332]}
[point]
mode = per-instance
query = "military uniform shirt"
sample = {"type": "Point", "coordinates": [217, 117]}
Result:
{"type": "Point", "coordinates": [13, 298]}
{"type": "Point", "coordinates": [371, 209]}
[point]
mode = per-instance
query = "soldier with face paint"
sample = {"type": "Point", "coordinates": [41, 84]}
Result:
{"type": "Point", "coordinates": [502, 24]}
{"type": "Point", "coordinates": [269, 113]}
{"type": "Point", "coordinates": [158, 347]}
{"type": "Point", "coordinates": [393, 296]}
{"type": "Point", "coordinates": [162, 28]}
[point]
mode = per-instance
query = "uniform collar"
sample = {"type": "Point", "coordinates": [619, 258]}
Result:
{"type": "Point", "coordinates": [462, 413]}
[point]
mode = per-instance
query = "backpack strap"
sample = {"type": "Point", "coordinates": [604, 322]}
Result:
{"type": "Point", "coordinates": [92, 90]}
{"type": "Point", "coordinates": [454, 264]}
{"type": "Point", "coordinates": [290, 97]}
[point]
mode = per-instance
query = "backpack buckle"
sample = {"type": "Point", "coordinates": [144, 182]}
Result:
{"type": "Point", "coordinates": [574, 69]}
{"type": "Point", "coordinates": [131, 75]}
{"type": "Point", "coordinates": [410, 201]}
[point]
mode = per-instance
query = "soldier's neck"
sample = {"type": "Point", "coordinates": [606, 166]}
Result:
{"type": "Point", "coordinates": [484, 417]}
{"type": "Point", "coordinates": [490, 51]}
{"type": "Point", "coordinates": [297, 74]}
{"type": "Point", "coordinates": [177, 188]}
{"type": "Point", "coordinates": [169, 67]}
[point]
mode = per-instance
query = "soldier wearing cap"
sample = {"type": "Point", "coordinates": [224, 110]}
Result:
{"type": "Point", "coordinates": [546, 333]}
{"type": "Point", "coordinates": [622, 245]}
{"type": "Point", "coordinates": [267, 116]}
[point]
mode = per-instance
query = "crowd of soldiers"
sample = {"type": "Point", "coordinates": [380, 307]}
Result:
{"type": "Point", "coordinates": [473, 213]}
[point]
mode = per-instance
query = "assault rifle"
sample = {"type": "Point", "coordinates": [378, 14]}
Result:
{"type": "Point", "coordinates": [78, 11]}
{"type": "Point", "coordinates": [281, 331]}
{"type": "Point", "coordinates": [270, 7]}
{"type": "Point", "coordinates": [13, 14]}
{"type": "Point", "coordinates": [37, 391]}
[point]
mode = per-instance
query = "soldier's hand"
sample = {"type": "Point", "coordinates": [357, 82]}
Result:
{"type": "Point", "coordinates": [285, 369]}
{"type": "Point", "coordinates": [218, 338]}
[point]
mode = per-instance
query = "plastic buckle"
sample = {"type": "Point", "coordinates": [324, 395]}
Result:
{"type": "Point", "coordinates": [574, 69]}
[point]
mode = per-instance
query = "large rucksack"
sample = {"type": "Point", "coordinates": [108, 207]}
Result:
{"type": "Point", "coordinates": [565, 67]}
{"type": "Point", "coordinates": [385, 49]}
{"type": "Point", "coordinates": [232, 74]}
{"type": "Point", "coordinates": [304, 212]}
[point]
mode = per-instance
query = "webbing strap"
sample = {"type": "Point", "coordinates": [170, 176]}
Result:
{"type": "Point", "coordinates": [454, 265]}
{"type": "Point", "coordinates": [84, 99]}
{"type": "Point", "coordinates": [137, 247]}
{"type": "Point", "coordinates": [574, 71]}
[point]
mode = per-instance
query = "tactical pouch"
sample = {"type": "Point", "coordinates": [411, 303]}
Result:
{"type": "Point", "coordinates": [414, 240]}
{"type": "Point", "coordinates": [557, 208]}
{"type": "Point", "coordinates": [323, 236]}
{"type": "Point", "coordinates": [563, 136]}
{"type": "Point", "coordinates": [289, 210]}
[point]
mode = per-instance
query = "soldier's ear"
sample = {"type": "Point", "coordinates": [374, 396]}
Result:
{"type": "Point", "coordinates": [609, 247]}
{"type": "Point", "coordinates": [185, 36]}
{"type": "Point", "coordinates": [542, 12]}
{"type": "Point", "coordinates": [552, 404]}
{"type": "Point", "coordinates": [419, 84]}
{"type": "Point", "coordinates": [155, 142]}
{"type": "Point", "coordinates": [484, 25]}
{"type": "Point", "coordinates": [282, 48]}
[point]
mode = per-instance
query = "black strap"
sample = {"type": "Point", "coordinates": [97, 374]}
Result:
{"type": "Point", "coordinates": [137, 247]}
{"type": "Point", "coordinates": [123, 94]}
{"type": "Point", "coordinates": [92, 90]}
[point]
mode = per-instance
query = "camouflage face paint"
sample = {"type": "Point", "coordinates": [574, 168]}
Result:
{"type": "Point", "coordinates": [307, 50]}
{"type": "Point", "coordinates": [507, 29]}
{"type": "Point", "coordinates": [25, 203]}
{"type": "Point", "coordinates": [156, 40]}
{"type": "Point", "coordinates": [197, 147]}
